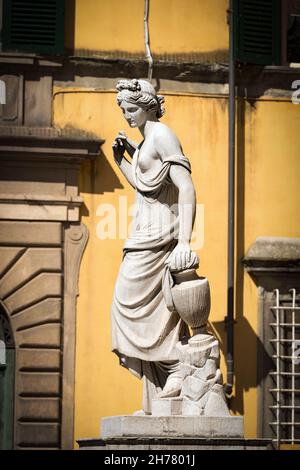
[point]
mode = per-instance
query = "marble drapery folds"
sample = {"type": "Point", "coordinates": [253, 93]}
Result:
{"type": "Point", "coordinates": [143, 329]}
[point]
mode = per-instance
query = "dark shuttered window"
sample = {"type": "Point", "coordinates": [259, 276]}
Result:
{"type": "Point", "coordinates": [34, 26]}
{"type": "Point", "coordinates": [293, 30]}
{"type": "Point", "coordinates": [257, 28]}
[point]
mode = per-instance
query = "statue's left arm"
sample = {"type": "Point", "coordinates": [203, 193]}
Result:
{"type": "Point", "coordinates": [181, 178]}
{"type": "Point", "coordinates": [168, 145]}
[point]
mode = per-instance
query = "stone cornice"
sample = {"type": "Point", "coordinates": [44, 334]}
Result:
{"type": "Point", "coordinates": [191, 67]}
{"type": "Point", "coordinates": [273, 255]}
{"type": "Point", "coordinates": [39, 172]}
{"type": "Point", "coordinates": [68, 144]}
{"type": "Point", "coordinates": [18, 58]}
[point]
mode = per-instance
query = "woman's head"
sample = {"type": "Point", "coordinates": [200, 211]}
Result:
{"type": "Point", "coordinates": [134, 94]}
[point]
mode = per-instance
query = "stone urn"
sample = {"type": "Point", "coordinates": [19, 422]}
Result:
{"type": "Point", "coordinates": [189, 295]}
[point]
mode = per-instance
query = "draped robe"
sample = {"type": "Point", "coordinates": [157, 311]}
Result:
{"type": "Point", "coordinates": [144, 331]}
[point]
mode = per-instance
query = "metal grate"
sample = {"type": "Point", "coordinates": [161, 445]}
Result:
{"type": "Point", "coordinates": [285, 388]}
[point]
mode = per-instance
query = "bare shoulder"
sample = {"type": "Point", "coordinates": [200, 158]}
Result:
{"type": "Point", "coordinates": [161, 131]}
{"type": "Point", "coordinates": [165, 140]}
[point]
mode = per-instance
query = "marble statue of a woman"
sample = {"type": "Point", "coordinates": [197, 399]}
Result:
{"type": "Point", "coordinates": [144, 330]}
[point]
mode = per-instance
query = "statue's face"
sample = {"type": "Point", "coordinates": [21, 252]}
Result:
{"type": "Point", "coordinates": [134, 114]}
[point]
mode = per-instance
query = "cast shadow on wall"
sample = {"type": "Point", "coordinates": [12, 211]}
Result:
{"type": "Point", "coordinates": [103, 176]}
{"type": "Point", "coordinates": [248, 348]}
{"type": "Point", "coordinates": [98, 177]}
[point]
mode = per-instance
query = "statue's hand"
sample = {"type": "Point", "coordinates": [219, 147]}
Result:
{"type": "Point", "coordinates": [183, 257]}
{"type": "Point", "coordinates": [118, 146]}
{"type": "Point", "coordinates": [121, 136]}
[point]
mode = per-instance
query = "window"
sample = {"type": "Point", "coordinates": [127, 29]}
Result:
{"type": "Point", "coordinates": [33, 26]}
{"type": "Point", "coordinates": [284, 382]}
{"type": "Point", "coordinates": [292, 28]}
{"type": "Point", "coordinates": [266, 32]}
{"type": "Point", "coordinates": [257, 31]}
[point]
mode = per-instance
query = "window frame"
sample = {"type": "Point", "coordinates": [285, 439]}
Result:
{"type": "Point", "coordinates": [56, 49]}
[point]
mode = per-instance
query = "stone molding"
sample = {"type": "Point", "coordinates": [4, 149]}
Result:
{"type": "Point", "coordinates": [39, 170]}
{"type": "Point", "coordinates": [273, 254]}
{"type": "Point", "coordinates": [76, 237]}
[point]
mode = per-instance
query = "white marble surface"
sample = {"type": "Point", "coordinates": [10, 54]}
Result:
{"type": "Point", "coordinates": [171, 426]}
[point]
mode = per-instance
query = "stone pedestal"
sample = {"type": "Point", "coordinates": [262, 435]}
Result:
{"type": "Point", "coordinates": [172, 426]}
{"type": "Point", "coordinates": [173, 433]}
{"type": "Point", "coordinates": [174, 444]}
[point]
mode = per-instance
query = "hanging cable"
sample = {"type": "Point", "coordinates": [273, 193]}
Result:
{"type": "Point", "coordinates": [147, 40]}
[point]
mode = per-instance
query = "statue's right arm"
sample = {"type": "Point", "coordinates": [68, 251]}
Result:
{"type": "Point", "coordinates": [126, 169]}
{"type": "Point", "coordinates": [123, 164]}
{"type": "Point", "coordinates": [129, 145]}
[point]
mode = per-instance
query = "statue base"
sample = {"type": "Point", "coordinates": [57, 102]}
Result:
{"type": "Point", "coordinates": [172, 426]}
{"type": "Point", "coordinates": [173, 433]}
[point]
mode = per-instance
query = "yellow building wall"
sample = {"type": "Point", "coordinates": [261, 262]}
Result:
{"type": "Point", "coordinates": [267, 204]}
{"type": "Point", "coordinates": [175, 26]}
{"type": "Point", "coordinates": [268, 201]}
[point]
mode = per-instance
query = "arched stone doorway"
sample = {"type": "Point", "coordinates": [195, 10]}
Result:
{"type": "Point", "coordinates": [42, 241]}
{"type": "Point", "coordinates": [39, 265]}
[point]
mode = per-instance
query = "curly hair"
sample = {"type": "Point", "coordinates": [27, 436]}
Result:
{"type": "Point", "coordinates": [141, 93]}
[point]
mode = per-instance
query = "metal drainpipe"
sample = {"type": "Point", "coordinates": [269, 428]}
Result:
{"type": "Point", "coordinates": [231, 211]}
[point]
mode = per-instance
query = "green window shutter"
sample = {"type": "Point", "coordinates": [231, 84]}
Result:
{"type": "Point", "coordinates": [34, 26]}
{"type": "Point", "coordinates": [257, 31]}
